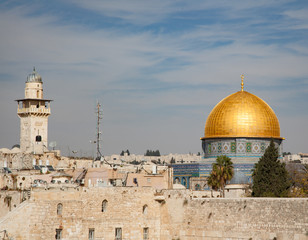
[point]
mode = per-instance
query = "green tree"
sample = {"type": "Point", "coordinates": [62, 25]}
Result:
{"type": "Point", "coordinates": [286, 153]}
{"type": "Point", "coordinates": [157, 153]}
{"type": "Point", "coordinates": [152, 153]}
{"type": "Point", "coordinates": [298, 175]}
{"type": "Point", "coordinates": [222, 172]}
{"type": "Point", "coordinates": [212, 181]}
{"type": "Point", "coordinates": [147, 153]}
{"type": "Point", "coordinates": [270, 177]}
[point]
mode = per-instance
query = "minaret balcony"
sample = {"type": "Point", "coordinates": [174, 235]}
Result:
{"type": "Point", "coordinates": [33, 110]}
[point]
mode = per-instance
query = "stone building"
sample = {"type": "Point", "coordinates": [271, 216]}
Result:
{"type": "Point", "coordinates": [300, 158]}
{"type": "Point", "coordinates": [33, 111]}
{"type": "Point", "coordinates": [159, 178]}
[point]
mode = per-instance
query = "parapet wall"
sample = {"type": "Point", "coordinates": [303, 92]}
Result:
{"type": "Point", "coordinates": [170, 214]}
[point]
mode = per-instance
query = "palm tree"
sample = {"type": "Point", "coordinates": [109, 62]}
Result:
{"type": "Point", "coordinates": [222, 172]}
{"type": "Point", "coordinates": [212, 181]}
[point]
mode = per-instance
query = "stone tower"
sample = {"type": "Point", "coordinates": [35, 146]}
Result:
{"type": "Point", "coordinates": [33, 112]}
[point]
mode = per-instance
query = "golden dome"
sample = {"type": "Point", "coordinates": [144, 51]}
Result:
{"type": "Point", "coordinates": [242, 114]}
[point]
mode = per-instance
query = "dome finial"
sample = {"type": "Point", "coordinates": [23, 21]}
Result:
{"type": "Point", "coordinates": [242, 84]}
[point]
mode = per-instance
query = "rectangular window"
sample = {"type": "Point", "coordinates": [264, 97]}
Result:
{"type": "Point", "coordinates": [58, 234]}
{"type": "Point", "coordinates": [118, 234]}
{"type": "Point", "coordinates": [145, 233]}
{"type": "Point", "coordinates": [91, 233]}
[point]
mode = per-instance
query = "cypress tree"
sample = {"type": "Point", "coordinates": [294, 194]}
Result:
{"type": "Point", "coordinates": [270, 177]}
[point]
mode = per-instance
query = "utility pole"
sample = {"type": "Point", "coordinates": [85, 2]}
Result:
{"type": "Point", "coordinates": [98, 134]}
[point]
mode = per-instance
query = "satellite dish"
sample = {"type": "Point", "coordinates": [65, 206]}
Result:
{"type": "Point", "coordinates": [53, 145]}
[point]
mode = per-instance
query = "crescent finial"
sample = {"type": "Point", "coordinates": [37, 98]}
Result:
{"type": "Point", "coordinates": [242, 84]}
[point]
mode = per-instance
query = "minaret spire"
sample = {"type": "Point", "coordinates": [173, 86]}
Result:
{"type": "Point", "coordinates": [242, 84]}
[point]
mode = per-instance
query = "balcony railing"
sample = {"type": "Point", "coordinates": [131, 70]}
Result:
{"type": "Point", "coordinates": [33, 110]}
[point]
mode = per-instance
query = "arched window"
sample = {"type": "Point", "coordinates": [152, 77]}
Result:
{"type": "Point", "coordinates": [59, 209]}
{"type": "Point", "coordinates": [145, 210]}
{"type": "Point", "coordinates": [184, 181]}
{"type": "Point", "coordinates": [176, 180]}
{"type": "Point", "coordinates": [104, 205]}
{"type": "Point", "coordinates": [197, 187]}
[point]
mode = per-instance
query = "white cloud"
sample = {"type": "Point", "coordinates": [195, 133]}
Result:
{"type": "Point", "coordinates": [148, 12]}
{"type": "Point", "coordinates": [301, 14]}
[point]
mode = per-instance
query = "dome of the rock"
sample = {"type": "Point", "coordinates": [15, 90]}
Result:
{"type": "Point", "coordinates": [241, 126]}
{"type": "Point", "coordinates": [242, 114]}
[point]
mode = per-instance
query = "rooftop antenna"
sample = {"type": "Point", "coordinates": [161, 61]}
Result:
{"type": "Point", "coordinates": [98, 133]}
{"type": "Point", "coordinates": [99, 155]}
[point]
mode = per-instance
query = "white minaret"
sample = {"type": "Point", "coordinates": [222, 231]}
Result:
{"type": "Point", "coordinates": [33, 112]}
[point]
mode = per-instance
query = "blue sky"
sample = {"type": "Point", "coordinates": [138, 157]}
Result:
{"type": "Point", "coordinates": [157, 67]}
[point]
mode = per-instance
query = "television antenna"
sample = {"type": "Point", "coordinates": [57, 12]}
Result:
{"type": "Point", "coordinates": [98, 132]}
{"type": "Point", "coordinates": [99, 155]}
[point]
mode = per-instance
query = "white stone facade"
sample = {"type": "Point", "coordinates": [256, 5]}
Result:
{"type": "Point", "coordinates": [302, 157]}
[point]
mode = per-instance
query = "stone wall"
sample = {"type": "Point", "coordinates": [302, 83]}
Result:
{"type": "Point", "coordinates": [10, 200]}
{"type": "Point", "coordinates": [82, 210]}
{"type": "Point", "coordinates": [245, 218]}
{"type": "Point", "coordinates": [169, 214]}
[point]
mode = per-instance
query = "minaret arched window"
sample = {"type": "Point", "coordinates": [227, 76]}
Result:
{"type": "Point", "coordinates": [59, 209]}
{"type": "Point", "coordinates": [38, 138]}
{"type": "Point", "coordinates": [145, 210]}
{"type": "Point", "coordinates": [104, 205]}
